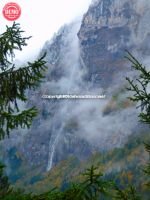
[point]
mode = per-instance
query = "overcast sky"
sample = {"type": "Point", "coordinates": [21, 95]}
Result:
{"type": "Point", "coordinates": [42, 18]}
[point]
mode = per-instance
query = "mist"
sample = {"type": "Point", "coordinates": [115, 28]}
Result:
{"type": "Point", "coordinates": [41, 19]}
{"type": "Point", "coordinates": [90, 123]}
{"type": "Point", "coordinates": [101, 123]}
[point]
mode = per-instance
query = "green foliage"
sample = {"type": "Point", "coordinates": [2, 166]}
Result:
{"type": "Point", "coordinates": [129, 193]}
{"type": "Point", "coordinates": [15, 81]}
{"type": "Point", "coordinates": [147, 168]}
{"type": "Point", "coordinates": [140, 88]}
{"type": "Point", "coordinates": [16, 195]}
{"type": "Point", "coordinates": [9, 41]}
{"type": "Point", "coordinates": [94, 185]}
{"type": "Point", "coordinates": [142, 95]}
{"type": "Point", "coordinates": [92, 188]}
{"type": "Point", "coordinates": [4, 184]}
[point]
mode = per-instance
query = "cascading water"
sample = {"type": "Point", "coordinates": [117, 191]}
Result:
{"type": "Point", "coordinates": [73, 78]}
{"type": "Point", "coordinates": [53, 143]}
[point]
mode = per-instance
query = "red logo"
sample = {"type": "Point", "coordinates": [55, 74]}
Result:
{"type": "Point", "coordinates": [11, 11]}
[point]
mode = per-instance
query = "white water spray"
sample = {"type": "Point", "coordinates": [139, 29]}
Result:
{"type": "Point", "coordinates": [73, 78]}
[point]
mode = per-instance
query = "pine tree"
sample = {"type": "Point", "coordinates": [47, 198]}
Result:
{"type": "Point", "coordinates": [128, 193]}
{"type": "Point", "coordinates": [15, 81]}
{"type": "Point", "coordinates": [94, 187]}
{"type": "Point", "coordinates": [140, 88]}
{"type": "Point", "coordinates": [4, 184]}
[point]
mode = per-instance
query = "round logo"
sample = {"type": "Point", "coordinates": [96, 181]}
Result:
{"type": "Point", "coordinates": [11, 11]}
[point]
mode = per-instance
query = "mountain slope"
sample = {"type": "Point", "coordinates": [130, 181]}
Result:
{"type": "Point", "coordinates": [84, 57]}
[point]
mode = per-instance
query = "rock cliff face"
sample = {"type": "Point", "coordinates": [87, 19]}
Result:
{"type": "Point", "coordinates": [86, 57]}
{"type": "Point", "coordinates": [108, 29]}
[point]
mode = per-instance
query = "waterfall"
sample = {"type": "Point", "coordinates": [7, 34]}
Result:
{"type": "Point", "coordinates": [72, 77]}
{"type": "Point", "coordinates": [52, 145]}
